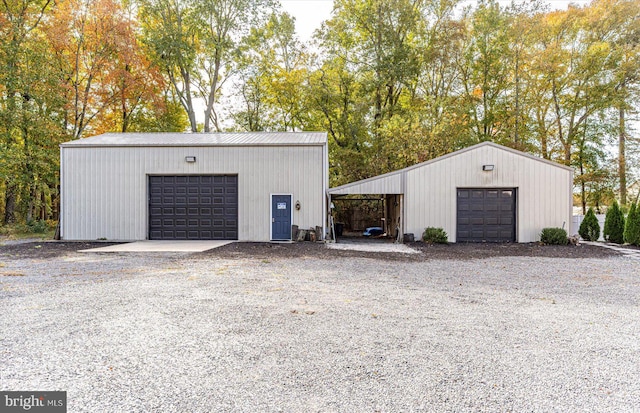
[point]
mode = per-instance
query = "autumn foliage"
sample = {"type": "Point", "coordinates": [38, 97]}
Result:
{"type": "Point", "coordinates": [393, 82]}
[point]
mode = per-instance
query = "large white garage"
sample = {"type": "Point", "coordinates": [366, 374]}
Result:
{"type": "Point", "coordinates": [484, 193]}
{"type": "Point", "coordinates": [172, 186]}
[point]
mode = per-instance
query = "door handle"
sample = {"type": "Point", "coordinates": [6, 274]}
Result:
{"type": "Point", "coordinates": [273, 220]}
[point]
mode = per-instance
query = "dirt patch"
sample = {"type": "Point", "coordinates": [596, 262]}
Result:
{"type": "Point", "coordinates": [266, 251]}
{"type": "Point", "coordinates": [476, 251]}
{"type": "Point", "coordinates": [428, 251]}
{"type": "Point", "coordinates": [47, 249]}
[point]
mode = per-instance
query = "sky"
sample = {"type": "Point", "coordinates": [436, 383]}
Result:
{"type": "Point", "coordinates": [310, 14]}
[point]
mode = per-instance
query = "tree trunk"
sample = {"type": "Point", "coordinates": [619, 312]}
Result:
{"type": "Point", "coordinates": [10, 203]}
{"type": "Point", "coordinates": [622, 160]}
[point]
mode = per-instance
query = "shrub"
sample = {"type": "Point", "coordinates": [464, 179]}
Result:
{"type": "Point", "coordinates": [37, 227]}
{"type": "Point", "coordinates": [614, 224]}
{"type": "Point", "coordinates": [435, 235]}
{"type": "Point", "coordinates": [554, 236]}
{"type": "Point", "coordinates": [590, 227]}
{"type": "Point", "coordinates": [632, 226]}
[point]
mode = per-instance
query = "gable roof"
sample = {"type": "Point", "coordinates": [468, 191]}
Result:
{"type": "Point", "coordinates": [202, 139]}
{"type": "Point", "coordinates": [340, 190]}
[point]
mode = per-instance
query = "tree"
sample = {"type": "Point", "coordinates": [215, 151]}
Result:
{"type": "Point", "coordinates": [614, 224]}
{"type": "Point", "coordinates": [632, 226]}
{"type": "Point", "coordinates": [589, 227]}
{"type": "Point", "coordinates": [138, 86]}
{"type": "Point", "coordinates": [273, 78]}
{"type": "Point", "coordinates": [487, 72]}
{"type": "Point", "coordinates": [194, 43]}
{"type": "Point", "coordinates": [385, 86]}
{"type": "Point", "coordinates": [28, 102]}
{"type": "Point", "coordinates": [93, 44]}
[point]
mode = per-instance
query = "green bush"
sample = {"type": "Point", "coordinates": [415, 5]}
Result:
{"type": "Point", "coordinates": [590, 227]}
{"type": "Point", "coordinates": [632, 226]}
{"type": "Point", "coordinates": [435, 235]}
{"type": "Point", "coordinates": [37, 227]}
{"type": "Point", "coordinates": [614, 224]}
{"type": "Point", "coordinates": [554, 236]}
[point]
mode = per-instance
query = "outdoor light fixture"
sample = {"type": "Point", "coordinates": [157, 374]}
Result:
{"type": "Point", "coordinates": [487, 167]}
{"type": "Point", "coordinates": [190, 159]}
{"type": "Point", "coordinates": [297, 205]}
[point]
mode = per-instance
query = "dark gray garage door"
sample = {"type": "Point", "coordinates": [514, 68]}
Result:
{"type": "Point", "coordinates": [193, 207]}
{"type": "Point", "coordinates": [486, 215]}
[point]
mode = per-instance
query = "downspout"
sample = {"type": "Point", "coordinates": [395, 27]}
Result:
{"type": "Point", "coordinates": [325, 184]}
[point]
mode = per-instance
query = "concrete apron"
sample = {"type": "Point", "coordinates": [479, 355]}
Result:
{"type": "Point", "coordinates": [161, 246]}
{"type": "Point", "coordinates": [372, 247]}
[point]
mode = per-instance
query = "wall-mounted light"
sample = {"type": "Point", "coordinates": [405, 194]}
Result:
{"type": "Point", "coordinates": [190, 159]}
{"type": "Point", "coordinates": [487, 167]}
{"type": "Point", "coordinates": [298, 205]}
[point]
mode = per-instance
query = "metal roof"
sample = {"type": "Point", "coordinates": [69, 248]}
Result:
{"type": "Point", "coordinates": [358, 186]}
{"type": "Point", "coordinates": [203, 139]}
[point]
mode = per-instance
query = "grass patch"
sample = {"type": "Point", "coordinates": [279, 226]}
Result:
{"type": "Point", "coordinates": [39, 230]}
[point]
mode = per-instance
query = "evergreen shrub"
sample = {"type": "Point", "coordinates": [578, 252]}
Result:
{"type": "Point", "coordinates": [614, 224]}
{"type": "Point", "coordinates": [590, 227]}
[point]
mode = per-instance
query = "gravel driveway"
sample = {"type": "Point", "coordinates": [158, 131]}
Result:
{"type": "Point", "coordinates": [199, 333]}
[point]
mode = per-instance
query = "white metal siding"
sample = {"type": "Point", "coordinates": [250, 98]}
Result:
{"type": "Point", "coordinates": [543, 190]}
{"type": "Point", "coordinates": [105, 188]}
{"type": "Point", "coordinates": [384, 184]}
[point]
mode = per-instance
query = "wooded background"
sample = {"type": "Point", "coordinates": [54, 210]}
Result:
{"type": "Point", "coordinates": [394, 82]}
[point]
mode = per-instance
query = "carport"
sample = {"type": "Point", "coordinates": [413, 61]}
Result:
{"type": "Point", "coordinates": [388, 188]}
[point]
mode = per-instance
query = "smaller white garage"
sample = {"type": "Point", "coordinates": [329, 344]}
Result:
{"type": "Point", "coordinates": [484, 193]}
{"type": "Point", "coordinates": [205, 186]}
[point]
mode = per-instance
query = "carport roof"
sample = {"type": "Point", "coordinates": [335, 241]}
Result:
{"type": "Point", "coordinates": [393, 182]}
{"type": "Point", "coordinates": [202, 139]}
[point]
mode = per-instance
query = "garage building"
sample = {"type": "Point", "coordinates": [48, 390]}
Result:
{"type": "Point", "coordinates": [178, 186]}
{"type": "Point", "coordinates": [484, 193]}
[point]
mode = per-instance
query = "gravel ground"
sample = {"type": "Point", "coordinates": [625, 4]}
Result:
{"type": "Point", "coordinates": [302, 333]}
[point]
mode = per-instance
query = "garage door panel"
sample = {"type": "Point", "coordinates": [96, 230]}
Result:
{"type": "Point", "coordinates": [491, 234]}
{"type": "Point", "coordinates": [485, 215]}
{"type": "Point", "coordinates": [181, 207]}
